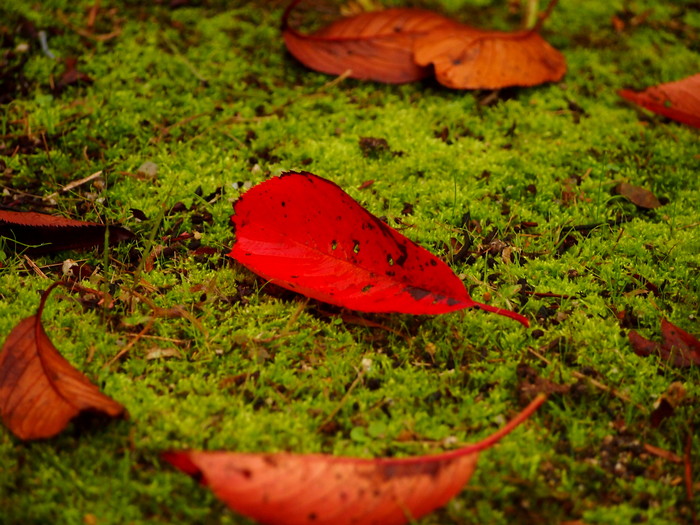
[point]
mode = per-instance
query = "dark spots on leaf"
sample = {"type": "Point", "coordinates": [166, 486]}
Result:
{"type": "Point", "coordinates": [293, 276]}
{"type": "Point", "coordinates": [431, 468]}
{"type": "Point", "coordinates": [433, 262]}
{"type": "Point", "coordinates": [246, 473]}
{"type": "Point", "coordinates": [367, 288]}
{"type": "Point", "coordinates": [452, 302]}
{"type": "Point", "coordinates": [404, 255]}
{"type": "Point", "coordinates": [283, 204]}
{"type": "Point", "coordinates": [355, 246]}
{"type": "Point", "coordinates": [417, 293]}
{"type": "Point", "coordinates": [390, 273]}
{"type": "Point", "coordinates": [338, 217]}
{"type": "Point", "coordinates": [312, 516]}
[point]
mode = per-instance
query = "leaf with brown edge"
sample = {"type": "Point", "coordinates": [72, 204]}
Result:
{"type": "Point", "coordinates": [304, 233]}
{"type": "Point", "coordinates": [319, 489]}
{"type": "Point", "coordinates": [399, 45]}
{"type": "Point", "coordinates": [468, 58]}
{"type": "Point", "coordinates": [38, 233]}
{"type": "Point", "coordinates": [678, 100]}
{"type": "Point", "coordinates": [40, 392]}
{"type": "Point", "coordinates": [678, 347]}
{"type": "Point", "coordinates": [372, 46]}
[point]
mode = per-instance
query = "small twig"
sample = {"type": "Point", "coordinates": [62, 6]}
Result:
{"type": "Point", "coordinates": [662, 453]}
{"type": "Point", "coordinates": [87, 34]}
{"type": "Point", "coordinates": [45, 45]}
{"type": "Point", "coordinates": [74, 184]}
{"type": "Point", "coordinates": [295, 316]}
{"type": "Point", "coordinates": [34, 267]}
{"type": "Point", "coordinates": [544, 15]}
{"type": "Point", "coordinates": [92, 14]}
{"type": "Point", "coordinates": [344, 399]}
{"type": "Point", "coordinates": [131, 344]}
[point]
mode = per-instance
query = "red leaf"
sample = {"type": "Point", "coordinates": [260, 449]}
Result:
{"type": "Point", "coordinates": [40, 392]}
{"type": "Point", "coordinates": [678, 100]}
{"type": "Point", "coordinates": [467, 58]}
{"type": "Point", "coordinates": [47, 233]}
{"type": "Point", "coordinates": [295, 489]}
{"type": "Point", "coordinates": [374, 46]}
{"type": "Point", "coordinates": [306, 234]}
{"type": "Point", "coordinates": [678, 347]}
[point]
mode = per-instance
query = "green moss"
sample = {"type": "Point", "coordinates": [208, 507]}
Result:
{"type": "Point", "coordinates": [209, 94]}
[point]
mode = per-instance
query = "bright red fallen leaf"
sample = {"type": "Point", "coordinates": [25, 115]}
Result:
{"type": "Point", "coordinates": [296, 489]}
{"type": "Point", "coordinates": [678, 100]}
{"type": "Point", "coordinates": [678, 346]}
{"type": "Point", "coordinates": [400, 45]}
{"type": "Point", "coordinates": [306, 234]}
{"type": "Point", "coordinates": [374, 46]}
{"type": "Point", "coordinates": [40, 392]}
{"type": "Point", "coordinates": [467, 58]}
{"type": "Point", "coordinates": [37, 233]}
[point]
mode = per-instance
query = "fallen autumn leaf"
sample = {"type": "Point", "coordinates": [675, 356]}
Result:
{"type": "Point", "coordinates": [306, 234]}
{"type": "Point", "coordinates": [40, 392]}
{"type": "Point", "coordinates": [678, 100]}
{"type": "Point", "coordinates": [319, 489]}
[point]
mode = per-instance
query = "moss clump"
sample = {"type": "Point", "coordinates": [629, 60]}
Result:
{"type": "Point", "coordinates": [208, 93]}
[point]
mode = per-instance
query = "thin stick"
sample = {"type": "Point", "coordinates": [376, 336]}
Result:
{"type": "Point", "coordinates": [74, 184]}
{"type": "Point", "coordinates": [131, 344]}
{"type": "Point", "coordinates": [344, 399]}
{"type": "Point", "coordinates": [34, 267]}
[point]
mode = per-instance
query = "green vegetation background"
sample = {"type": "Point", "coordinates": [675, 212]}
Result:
{"type": "Point", "coordinates": [207, 92]}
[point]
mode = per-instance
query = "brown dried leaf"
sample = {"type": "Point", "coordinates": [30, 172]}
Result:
{"type": "Point", "coordinates": [468, 58]}
{"type": "Point", "coordinates": [40, 392]}
{"type": "Point", "coordinates": [640, 197]}
{"type": "Point", "coordinates": [44, 233]}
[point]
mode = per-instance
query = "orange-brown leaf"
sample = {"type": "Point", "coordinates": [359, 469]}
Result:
{"type": "Point", "coordinates": [373, 46]}
{"type": "Point", "coordinates": [297, 489]}
{"type": "Point", "coordinates": [638, 196]}
{"type": "Point", "coordinates": [468, 58]}
{"type": "Point", "coordinates": [678, 100]}
{"type": "Point", "coordinates": [40, 392]}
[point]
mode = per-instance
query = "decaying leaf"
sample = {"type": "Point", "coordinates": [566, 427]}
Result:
{"type": "Point", "coordinates": [467, 58]}
{"type": "Point", "coordinates": [678, 347]}
{"type": "Point", "coordinates": [372, 46]}
{"type": "Point", "coordinates": [38, 233]}
{"type": "Point", "coordinates": [318, 489]}
{"type": "Point", "coordinates": [678, 100]}
{"type": "Point", "coordinates": [399, 45]}
{"type": "Point", "coordinates": [306, 234]}
{"type": "Point", "coordinates": [640, 197]}
{"type": "Point", "coordinates": [40, 392]}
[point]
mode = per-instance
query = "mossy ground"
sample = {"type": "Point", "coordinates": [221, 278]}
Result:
{"type": "Point", "coordinates": [207, 92]}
